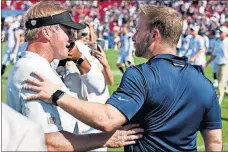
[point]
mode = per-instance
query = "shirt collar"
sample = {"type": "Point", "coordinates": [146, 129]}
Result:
{"type": "Point", "coordinates": [171, 58]}
{"type": "Point", "coordinates": [35, 55]}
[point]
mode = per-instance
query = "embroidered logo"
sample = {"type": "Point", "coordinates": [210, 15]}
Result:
{"type": "Point", "coordinates": [33, 22]}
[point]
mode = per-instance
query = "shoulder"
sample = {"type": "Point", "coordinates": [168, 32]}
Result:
{"type": "Point", "coordinates": [134, 72]}
{"type": "Point", "coordinates": [200, 38]}
{"type": "Point", "coordinates": [138, 73]}
{"type": "Point", "coordinates": [25, 66]}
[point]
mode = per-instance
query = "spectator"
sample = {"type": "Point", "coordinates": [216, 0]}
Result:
{"type": "Point", "coordinates": [221, 56]}
{"type": "Point", "coordinates": [197, 48]}
{"type": "Point", "coordinates": [11, 42]}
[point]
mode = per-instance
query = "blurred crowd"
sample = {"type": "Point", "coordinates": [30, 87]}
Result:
{"type": "Point", "coordinates": [108, 16]}
{"type": "Point", "coordinates": [113, 19]}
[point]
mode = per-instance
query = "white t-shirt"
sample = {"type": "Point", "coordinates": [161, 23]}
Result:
{"type": "Point", "coordinates": [19, 133]}
{"type": "Point", "coordinates": [51, 117]}
{"type": "Point", "coordinates": [90, 87]}
{"type": "Point", "coordinates": [93, 80]}
{"type": "Point", "coordinates": [195, 45]}
{"type": "Point", "coordinates": [11, 37]}
{"type": "Point", "coordinates": [76, 82]}
{"type": "Point", "coordinates": [221, 51]}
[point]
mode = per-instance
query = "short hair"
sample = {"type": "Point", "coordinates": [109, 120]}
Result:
{"type": "Point", "coordinates": [40, 9]}
{"type": "Point", "coordinates": [167, 20]}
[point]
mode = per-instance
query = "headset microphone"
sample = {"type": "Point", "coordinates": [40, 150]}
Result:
{"type": "Point", "coordinates": [71, 45]}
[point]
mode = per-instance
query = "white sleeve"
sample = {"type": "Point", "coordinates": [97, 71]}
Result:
{"type": "Point", "coordinates": [33, 140]}
{"type": "Point", "coordinates": [201, 43]}
{"type": "Point", "coordinates": [94, 80]}
{"type": "Point", "coordinates": [207, 43]}
{"type": "Point", "coordinates": [40, 112]}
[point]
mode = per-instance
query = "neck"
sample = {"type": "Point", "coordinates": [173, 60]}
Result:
{"type": "Point", "coordinates": [222, 38]}
{"type": "Point", "coordinates": [195, 35]}
{"type": "Point", "coordinates": [162, 49]}
{"type": "Point", "coordinates": [43, 49]}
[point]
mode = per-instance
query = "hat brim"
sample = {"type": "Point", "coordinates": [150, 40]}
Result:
{"type": "Point", "coordinates": [223, 30]}
{"type": "Point", "coordinates": [74, 25]}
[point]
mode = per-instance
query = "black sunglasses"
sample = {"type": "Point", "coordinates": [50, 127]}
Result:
{"type": "Point", "coordinates": [84, 34]}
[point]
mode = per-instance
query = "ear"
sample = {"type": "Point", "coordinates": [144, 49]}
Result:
{"type": "Point", "coordinates": [156, 34]}
{"type": "Point", "coordinates": [46, 33]}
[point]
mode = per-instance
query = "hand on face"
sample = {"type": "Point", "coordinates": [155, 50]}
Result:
{"type": "Point", "coordinates": [43, 87]}
{"type": "Point", "coordinates": [124, 136]}
{"type": "Point", "coordinates": [74, 53]}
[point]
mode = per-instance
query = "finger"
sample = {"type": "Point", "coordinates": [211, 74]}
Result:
{"type": "Point", "coordinates": [134, 137]}
{"type": "Point", "coordinates": [41, 77]}
{"type": "Point", "coordinates": [98, 56]}
{"type": "Point", "coordinates": [98, 53]}
{"type": "Point", "coordinates": [32, 88]}
{"type": "Point", "coordinates": [135, 131]}
{"type": "Point", "coordinates": [100, 48]}
{"type": "Point", "coordinates": [130, 126]}
{"type": "Point", "coordinates": [33, 97]}
{"type": "Point", "coordinates": [33, 82]}
{"type": "Point", "coordinates": [129, 143]}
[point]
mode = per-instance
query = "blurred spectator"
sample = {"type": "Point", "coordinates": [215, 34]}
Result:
{"type": "Point", "coordinates": [12, 27]}
{"type": "Point", "coordinates": [197, 48]}
{"type": "Point", "coordinates": [220, 54]}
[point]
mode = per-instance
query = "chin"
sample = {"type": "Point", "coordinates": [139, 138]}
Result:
{"type": "Point", "coordinates": [138, 53]}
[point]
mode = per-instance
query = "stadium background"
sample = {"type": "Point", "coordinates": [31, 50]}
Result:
{"type": "Point", "coordinates": [112, 56]}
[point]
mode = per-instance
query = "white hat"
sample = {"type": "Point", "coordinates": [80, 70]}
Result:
{"type": "Point", "coordinates": [195, 28]}
{"type": "Point", "coordinates": [223, 29]}
{"type": "Point", "coordinates": [20, 31]}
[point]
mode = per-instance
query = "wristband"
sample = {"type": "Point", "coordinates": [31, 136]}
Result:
{"type": "Point", "coordinates": [55, 97]}
{"type": "Point", "coordinates": [80, 60]}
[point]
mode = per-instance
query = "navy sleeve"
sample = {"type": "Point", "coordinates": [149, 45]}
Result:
{"type": "Point", "coordinates": [212, 117]}
{"type": "Point", "coordinates": [130, 95]}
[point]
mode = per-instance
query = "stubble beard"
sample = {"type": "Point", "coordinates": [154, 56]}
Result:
{"type": "Point", "coordinates": [141, 49]}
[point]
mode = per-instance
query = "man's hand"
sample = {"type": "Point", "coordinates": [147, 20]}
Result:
{"type": "Point", "coordinates": [191, 60]}
{"type": "Point", "coordinates": [124, 136]}
{"type": "Point", "coordinates": [44, 88]}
